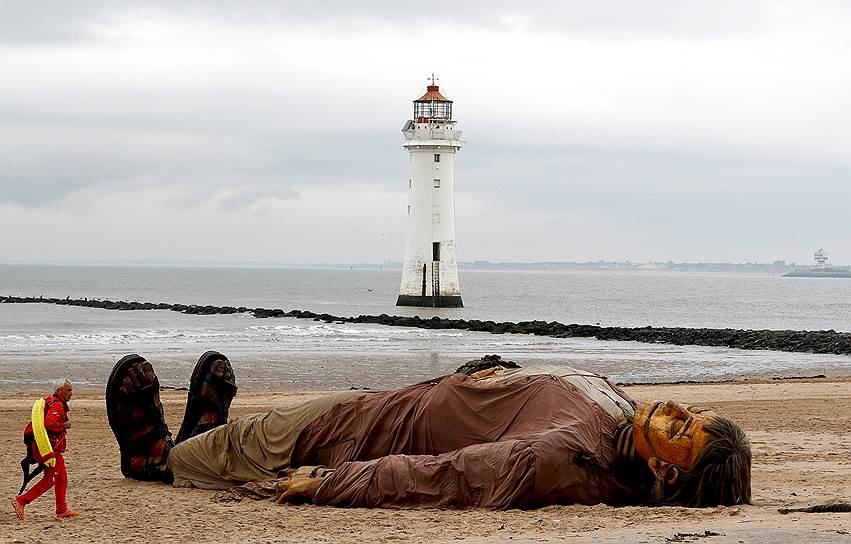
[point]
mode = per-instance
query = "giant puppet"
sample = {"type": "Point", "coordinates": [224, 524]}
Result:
{"type": "Point", "coordinates": [499, 438]}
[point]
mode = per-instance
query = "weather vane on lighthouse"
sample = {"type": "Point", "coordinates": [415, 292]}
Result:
{"type": "Point", "coordinates": [430, 270]}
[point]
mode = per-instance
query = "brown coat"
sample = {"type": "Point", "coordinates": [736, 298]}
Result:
{"type": "Point", "coordinates": [454, 443]}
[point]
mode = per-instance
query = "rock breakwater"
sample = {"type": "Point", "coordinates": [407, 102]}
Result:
{"type": "Point", "coordinates": [828, 341]}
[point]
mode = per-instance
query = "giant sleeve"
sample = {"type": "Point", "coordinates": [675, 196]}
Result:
{"type": "Point", "coordinates": [519, 473]}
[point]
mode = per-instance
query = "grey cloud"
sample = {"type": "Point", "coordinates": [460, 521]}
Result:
{"type": "Point", "coordinates": [683, 17]}
{"type": "Point", "coordinates": [201, 141]}
{"type": "Point", "coordinates": [44, 164]}
{"type": "Point", "coordinates": [48, 21]}
{"type": "Point", "coordinates": [54, 21]}
{"type": "Point", "coordinates": [245, 197]}
{"type": "Point", "coordinates": [657, 185]}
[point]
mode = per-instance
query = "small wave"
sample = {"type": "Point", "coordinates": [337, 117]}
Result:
{"type": "Point", "coordinates": [108, 338]}
{"type": "Point", "coordinates": [255, 333]}
{"type": "Point", "coordinates": [326, 330]}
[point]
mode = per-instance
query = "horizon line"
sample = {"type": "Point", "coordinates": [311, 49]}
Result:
{"type": "Point", "coordinates": [384, 264]}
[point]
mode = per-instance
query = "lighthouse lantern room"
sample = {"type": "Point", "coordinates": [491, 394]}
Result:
{"type": "Point", "coordinates": [430, 270]}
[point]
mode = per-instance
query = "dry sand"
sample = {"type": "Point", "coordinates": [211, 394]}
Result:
{"type": "Point", "coordinates": [799, 431]}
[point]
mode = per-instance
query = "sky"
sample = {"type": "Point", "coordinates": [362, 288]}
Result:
{"type": "Point", "coordinates": [261, 131]}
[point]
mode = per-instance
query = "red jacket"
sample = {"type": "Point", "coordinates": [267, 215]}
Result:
{"type": "Point", "coordinates": [55, 417]}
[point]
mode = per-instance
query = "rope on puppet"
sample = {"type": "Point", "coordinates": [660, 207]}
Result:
{"type": "Point", "coordinates": [819, 508]}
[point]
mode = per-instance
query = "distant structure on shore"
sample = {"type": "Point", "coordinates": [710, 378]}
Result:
{"type": "Point", "coordinates": [430, 269]}
{"type": "Point", "coordinates": [821, 269]}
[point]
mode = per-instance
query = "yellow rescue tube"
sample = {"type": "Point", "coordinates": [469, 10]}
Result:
{"type": "Point", "coordinates": [42, 441]}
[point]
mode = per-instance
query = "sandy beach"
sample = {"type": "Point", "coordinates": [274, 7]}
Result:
{"type": "Point", "coordinates": [798, 430]}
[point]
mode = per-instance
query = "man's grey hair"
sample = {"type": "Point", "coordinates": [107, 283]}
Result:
{"type": "Point", "coordinates": [61, 384]}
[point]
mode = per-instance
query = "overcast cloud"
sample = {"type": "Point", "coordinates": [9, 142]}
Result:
{"type": "Point", "coordinates": [270, 131]}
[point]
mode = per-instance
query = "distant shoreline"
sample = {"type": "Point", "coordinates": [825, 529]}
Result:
{"type": "Point", "coordinates": [820, 273]}
{"type": "Point", "coordinates": [778, 268]}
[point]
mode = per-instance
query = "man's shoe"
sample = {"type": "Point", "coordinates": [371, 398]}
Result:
{"type": "Point", "coordinates": [19, 509]}
{"type": "Point", "coordinates": [67, 514]}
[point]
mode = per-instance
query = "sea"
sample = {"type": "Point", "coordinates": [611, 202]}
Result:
{"type": "Point", "coordinates": [41, 343]}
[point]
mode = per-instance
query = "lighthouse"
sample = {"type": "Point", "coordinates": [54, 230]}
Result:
{"type": "Point", "coordinates": [430, 270]}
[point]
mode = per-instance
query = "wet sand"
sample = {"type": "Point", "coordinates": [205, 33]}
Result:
{"type": "Point", "coordinates": [798, 429]}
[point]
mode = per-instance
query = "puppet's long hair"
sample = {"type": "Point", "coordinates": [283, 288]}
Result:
{"type": "Point", "coordinates": [721, 475]}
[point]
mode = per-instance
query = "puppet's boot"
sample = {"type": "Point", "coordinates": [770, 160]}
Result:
{"type": "Point", "coordinates": [211, 391]}
{"type": "Point", "coordinates": [136, 417]}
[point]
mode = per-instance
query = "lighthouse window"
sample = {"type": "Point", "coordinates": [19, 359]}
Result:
{"type": "Point", "coordinates": [437, 157]}
{"type": "Point", "coordinates": [436, 183]}
{"type": "Point", "coordinates": [409, 184]}
{"type": "Point", "coordinates": [409, 209]}
{"type": "Point", "coordinates": [435, 251]}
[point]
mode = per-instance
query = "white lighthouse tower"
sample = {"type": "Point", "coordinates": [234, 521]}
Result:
{"type": "Point", "coordinates": [430, 271]}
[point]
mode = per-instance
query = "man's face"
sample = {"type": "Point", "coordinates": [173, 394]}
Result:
{"type": "Point", "coordinates": [671, 432]}
{"type": "Point", "coordinates": [65, 391]}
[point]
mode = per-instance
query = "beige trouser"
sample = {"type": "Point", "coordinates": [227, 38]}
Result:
{"type": "Point", "coordinates": [247, 449]}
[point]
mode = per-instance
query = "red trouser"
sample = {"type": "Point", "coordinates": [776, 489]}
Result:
{"type": "Point", "coordinates": [52, 475]}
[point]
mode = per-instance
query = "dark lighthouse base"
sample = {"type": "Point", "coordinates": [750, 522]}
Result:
{"type": "Point", "coordinates": [430, 302]}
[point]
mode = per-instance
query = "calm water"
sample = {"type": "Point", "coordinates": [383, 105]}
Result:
{"type": "Point", "coordinates": [41, 342]}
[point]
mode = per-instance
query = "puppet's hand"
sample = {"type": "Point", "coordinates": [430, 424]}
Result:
{"type": "Point", "coordinates": [297, 490]}
{"type": "Point", "coordinates": [301, 487]}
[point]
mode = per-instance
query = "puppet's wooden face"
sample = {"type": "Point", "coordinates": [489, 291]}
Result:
{"type": "Point", "coordinates": [671, 432]}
